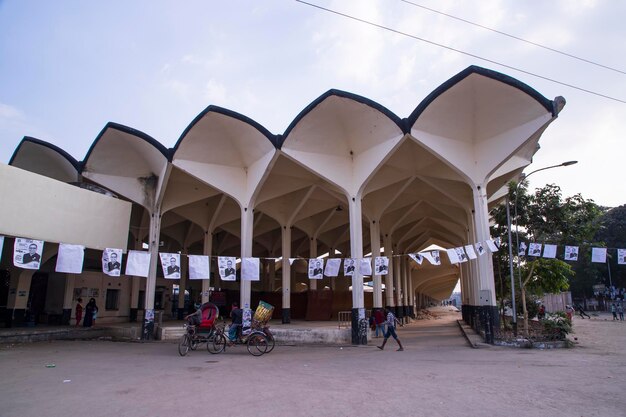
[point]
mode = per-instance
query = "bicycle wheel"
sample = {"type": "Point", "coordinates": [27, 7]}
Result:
{"type": "Point", "coordinates": [217, 344]}
{"type": "Point", "coordinates": [183, 345]}
{"type": "Point", "coordinates": [257, 344]}
{"type": "Point", "coordinates": [270, 341]}
{"type": "Point", "coordinates": [193, 342]}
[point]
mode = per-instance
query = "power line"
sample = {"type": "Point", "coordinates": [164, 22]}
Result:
{"type": "Point", "coordinates": [460, 52]}
{"type": "Point", "coordinates": [514, 37]}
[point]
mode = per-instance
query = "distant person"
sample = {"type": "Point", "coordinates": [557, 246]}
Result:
{"type": "Point", "coordinates": [569, 310]}
{"type": "Point", "coordinates": [32, 255]}
{"type": "Point", "coordinates": [379, 321]}
{"type": "Point", "coordinates": [620, 311]}
{"type": "Point", "coordinates": [79, 311]}
{"type": "Point", "coordinates": [391, 330]}
{"type": "Point", "coordinates": [542, 312]}
{"type": "Point", "coordinates": [614, 311]}
{"type": "Point", "coordinates": [113, 264]}
{"type": "Point", "coordinates": [581, 312]}
{"type": "Point", "coordinates": [91, 313]}
{"type": "Point", "coordinates": [236, 317]}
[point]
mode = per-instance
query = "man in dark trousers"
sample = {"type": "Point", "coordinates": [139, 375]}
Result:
{"type": "Point", "coordinates": [391, 330]}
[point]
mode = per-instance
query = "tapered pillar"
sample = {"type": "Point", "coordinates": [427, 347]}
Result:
{"type": "Point", "coordinates": [313, 254]}
{"type": "Point", "coordinates": [359, 329]}
{"type": "Point", "coordinates": [182, 285]}
{"type": "Point", "coordinates": [247, 222]}
{"type": "Point", "coordinates": [405, 285]}
{"type": "Point", "coordinates": [68, 299]}
{"type": "Point", "coordinates": [207, 250]}
{"type": "Point", "coordinates": [397, 279]}
{"type": "Point", "coordinates": [375, 244]}
{"type": "Point", "coordinates": [286, 273]}
{"type": "Point", "coordinates": [147, 331]}
{"type": "Point", "coordinates": [389, 277]}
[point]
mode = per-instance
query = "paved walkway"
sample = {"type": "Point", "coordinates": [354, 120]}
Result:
{"type": "Point", "coordinates": [436, 375]}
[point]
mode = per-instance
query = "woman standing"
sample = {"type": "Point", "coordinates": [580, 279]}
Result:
{"type": "Point", "coordinates": [91, 310]}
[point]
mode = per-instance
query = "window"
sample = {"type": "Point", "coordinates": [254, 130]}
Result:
{"type": "Point", "coordinates": [112, 300]}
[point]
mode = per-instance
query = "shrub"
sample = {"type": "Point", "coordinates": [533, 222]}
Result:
{"type": "Point", "coordinates": [556, 325]}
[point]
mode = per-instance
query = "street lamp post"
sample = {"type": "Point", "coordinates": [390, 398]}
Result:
{"type": "Point", "coordinates": [508, 219]}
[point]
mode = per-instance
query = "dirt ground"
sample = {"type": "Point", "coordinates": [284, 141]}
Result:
{"type": "Point", "coordinates": [438, 374]}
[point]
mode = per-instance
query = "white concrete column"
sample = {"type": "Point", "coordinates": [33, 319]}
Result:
{"type": "Point", "coordinates": [411, 290]}
{"type": "Point", "coordinates": [375, 244]}
{"type": "Point", "coordinates": [397, 277]}
{"type": "Point", "coordinates": [153, 249]}
{"type": "Point", "coordinates": [272, 275]}
{"type": "Point", "coordinates": [286, 273]}
{"type": "Point", "coordinates": [207, 250]}
{"type": "Point", "coordinates": [333, 280]}
{"type": "Point", "coordinates": [405, 281]}
{"type": "Point", "coordinates": [313, 254]}
{"type": "Point", "coordinates": [389, 276]}
{"type": "Point", "coordinates": [487, 293]}
{"type": "Point", "coordinates": [247, 222]}
{"type": "Point", "coordinates": [356, 250]}
{"type": "Point", "coordinates": [68, 298]}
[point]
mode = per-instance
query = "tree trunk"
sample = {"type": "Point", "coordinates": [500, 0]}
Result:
{"type": "Point", "coordinates": [523, 294]}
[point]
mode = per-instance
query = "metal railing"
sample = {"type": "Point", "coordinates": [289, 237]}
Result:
{"type": "Point", "coordinates": [344, 318]}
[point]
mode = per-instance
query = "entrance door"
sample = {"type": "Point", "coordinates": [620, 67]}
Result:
{"type": "Point", "coordinates": [37, 296]}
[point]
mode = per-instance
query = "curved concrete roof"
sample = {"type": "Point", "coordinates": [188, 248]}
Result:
{"type": "Point", "coordinates": [46, 159]}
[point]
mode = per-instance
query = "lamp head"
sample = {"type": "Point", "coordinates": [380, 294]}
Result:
{"type": "Point", "coordinates": [568, 163]}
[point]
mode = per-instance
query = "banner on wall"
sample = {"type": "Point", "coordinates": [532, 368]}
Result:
{"type": "Point", "coordinates": [621, 256]}
{"type": "Point", "coordinates": [480, 249]}
{"type": "Point", "coordinates": [250, 269]}
{"type": "Point", "coordinates": [534, 249]}
{"type": "Point", "coordinates": [70, 258]}
{"type": "Point", "coordinates": [454, 257]}
{"type": "Point", "coordinates": [522, 249]}
{"type": "Point", "coordinates": [417, 258]}
{"type": "Point", "coordinates": [492, 245]}
{"type": "Point", "coordinates": [199, 267]}
{"type": "Point", "coordinates": [27, 253]}
{"type": "Point", "coordinates": [461, 254]}
{"type": "Point", "coordinates": [170, 262]}
{"type": "Point", "coordinates": [598, 255]}
{"type": "Point", "coordinates": [348, 267]}
{"type": "Point", "coordinates": [571, 253]}
{"type": "Point", "coordinates": [549, 251]}
{"type": "Point", "coordinates": [227, 268]}
{"type": "Point", "coordinates": [112, 261]}
{"type": "Point", "coordinates": [381, 264]}
{"type": "Point", "coordinates": [469, 249]}
{"type": "Point", "coordinates": [432, 257]}
{"type": "Point", "coordinates": [365, 266]}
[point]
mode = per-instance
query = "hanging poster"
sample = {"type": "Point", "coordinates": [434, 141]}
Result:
{"type": "Point", "coordinates": [480, 249]}
{"type": "Point", "coordinates": [549, 251]}
{"type": "Point", "coordinates": [491, 245]}
{"type": "Point", "coordinates": [198, 267]}
{"type": "Point", "coordinates": [1, 246]}
{"type": "Point", "coordinates": [365, 266]}
{"type": "Point", "coordinates": [598, 255]}
{"type": "Point", "coordinates": [461, 254]}
{"type": "Point", "coordinates": [382, 265]}
{"type": "Point", "coordinates": [571, 253]}
{"type": "Point", "coordinates": [432, 257]}
{"type": "Point", "coordinates": [292, 260]}
{"type": "Point", "coordinates": [70, 258]}
{"type": "Point", "coordinates": [316, 270]}
{"type": "Point", "coordinates": [621, 256]}
{"type": "Point", "coordinates": [534, 249]}
{"type": "Point", "coordinates": [348, 267]}
{"type": "Point", "coordinates": [226, 266]}
{"type": "Point", "coordinates": [112, 262]}
{"type": "Point", "coordinates": [170, 262]}
{"type": "Point", "coordinates": [521, 251]}
{"type": "Point", "coordinates": [250, 269]}
{"type": "Point", "coordinates": [27, 253]}
{"type": "Point", "coordinates": [332, 267]}
{"type": "Point", "coordinates": [469, 249]}
{"type": "Point", "coordinates": [138, 263]}
{"type": "Point", "coordinates": [454, 257]}
{"type": "Point", "coordinates": [417, 258]}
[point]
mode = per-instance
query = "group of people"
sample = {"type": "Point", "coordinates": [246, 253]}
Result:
{"type": "Point", "coordinates": [90, 310]}
{"type": "Point", "coordinates": [385, 326]}
{"type": "Point", "coordinates": [617, 308]}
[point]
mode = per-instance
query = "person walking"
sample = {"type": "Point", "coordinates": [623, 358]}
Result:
{"type": "Point", "coordinates": [581, 312]}
{"type": "Point", "coordinates": [391, 330]}
{"type": "Point", "coordinates": [614, 311]}
{"type": "Point", "coordinates": [91, 311]}
{"type": "Point", "coordinates": [620, 311]}
{"type": "Point", "coordinates": [379, 321]}
{"type": "Point", "coordinates": [79, 311]}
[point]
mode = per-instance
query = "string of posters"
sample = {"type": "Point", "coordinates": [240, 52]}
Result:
{"type": "Point", "coordinates": [27, 254]}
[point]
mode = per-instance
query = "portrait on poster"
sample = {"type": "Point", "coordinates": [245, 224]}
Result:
{"type": "Point", "coordinates": [571, 253]}
{"type": "Point", "coordinates": [316, 270]}
{"type": "Point", "coordinates": [227, 268]}
{"type": "Point", "coordinates": [27, 253]}
{"type": "Point", "coordinates": [348, 267]}
{"type": "Point", "coordinates": [170, 262]}
{"type": "Point", "coordinates": [382, 265]}
{"type": "Point", "coordinates": [112, 262]}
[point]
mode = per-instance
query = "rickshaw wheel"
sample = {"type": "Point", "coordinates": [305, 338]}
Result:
{"type": "Point", "coordinates": [183, 345]}
{"type": "Point", "coordinates": [257, 344]}
{"type": "Point", "coordinates": [270, 341]}
{"type": "Point", "coordinates": [216, 344]}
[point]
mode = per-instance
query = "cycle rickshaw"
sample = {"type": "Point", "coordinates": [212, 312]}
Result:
{"type": "Point", "coordinates": [200, 330]}
{"type": "Point", "coordinates": [255, 333]}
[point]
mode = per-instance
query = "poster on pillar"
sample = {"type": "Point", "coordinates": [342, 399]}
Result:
{"type": "Point", "coordinates": [1, 246]}
{"type": "Point", "coordinates": [226, 266]}
{"type": "Point", "coordinates": [433, 257]}
{"type": "Point", "coordinates": [112, 262]}
{"type": "Point", "coordinates": [138, 263]}
{"type": "Point", "coordinates": [571, 253]}
{"type": "Point", "coordinates": [381, 264]}
{"type": "Point", "coordinates": [199, 267]}
{"type": "Point", "coordinates": [27, 253]}
{"type": "Point", "coordinates": [469, 249]}
{"type": "Point", "coordinates": [332, 267]}
{"type": "Point", "coordinates": [534, 249]}
{"type": "Point", "coordinates": [316, 270]}
{"type": "Point", "coordinates": [365, 266]}
{"type": "Point", "coordinates": [70, 259]}
{"type": "Point", "coordinates": [480, 249]}
{"type": "Point", "coordinates": [348, 267]}
{"type": "Point", "coordinates": [170, 262]}
{"type": "Point", "coordinates": [491, 245]}
{"type": "Point", "coordinates": [250, 269]}
{"type": "Point", "coordinates": [598, 255]}
{"type": "Point", "coordinates": [621, 256]}
{"type": "Point", "coordinates": [521, 251]}
{"type": "Point", "coordinates": [549, 251]}
{"type": "Point", "coordinates": [417, 258]}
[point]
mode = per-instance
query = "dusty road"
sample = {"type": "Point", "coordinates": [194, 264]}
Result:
{"type": "Point", "coordinates": [436, 375]}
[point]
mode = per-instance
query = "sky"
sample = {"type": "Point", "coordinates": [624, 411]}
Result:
{"type": "Point", "coordinates": [69, 67]}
